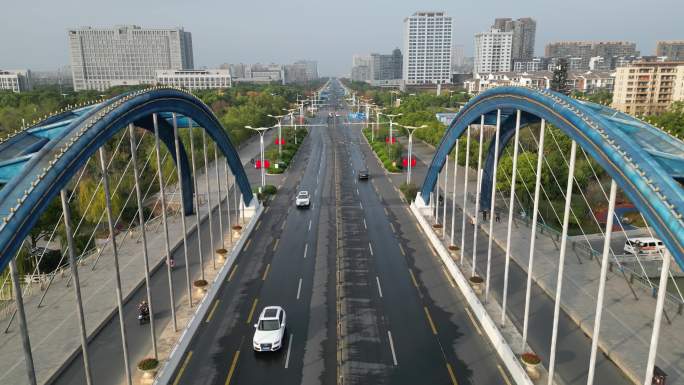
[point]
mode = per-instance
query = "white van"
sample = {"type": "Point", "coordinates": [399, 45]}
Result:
{"type": "Point", "coordinates": [644, 245]}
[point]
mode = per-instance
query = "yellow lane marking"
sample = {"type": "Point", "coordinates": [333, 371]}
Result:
{"type": "Point", "coordinates": [413, 278]}
{"type": "Point", "coordinates": [213, 309]}
{"type": "Point", "coordinates": [472, 319]}
{"type": "Point", "coordinates": [503, 374]}
{"type": "Point", "coordinates": [386, 211]}
{"type": "Point", "coordinates": [275, 245]}
{"type": "Point", "coordinates": [432, 324]}
{"type": "Point", "coordinates": [393, 229]}
{"type": "Point", "coordinates": [249, 242]}
{"type": "Point", "coordinates": [267, 208]}
{"type": "Point", "coordinates": [232, 273]}
{"type": "Point", "coordinates": [266, 272]}
{"type": "Point", "coordinates": [251, 312]}
{"type": "Point", "coordinates": [182, 369]}
{"type": "Point", "coordinates": [257, 226]}
{"type": "Point", "coordinates": [232, 367]}
{"type": "Point", "coordinates": [446, 274]}
{"type": "Point", "coordinates": [402, 250]}
{"type": "Point", "coordinates": [451, 374]}
{"type": "Point", "coordinates": [283, 226]}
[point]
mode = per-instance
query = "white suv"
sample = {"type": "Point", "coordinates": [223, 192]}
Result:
{"type": "Point", "coordinates": [303, 199]}
{"type": "Point", "coordinates": [269, 330]}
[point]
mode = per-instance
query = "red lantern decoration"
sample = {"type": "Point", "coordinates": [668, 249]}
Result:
{"type": "Point", "coordinates": [387, 140]}
{"type": "Point", "coordinates": [257, 164]}
{"type": "Point", "coordinates": [404, 162]}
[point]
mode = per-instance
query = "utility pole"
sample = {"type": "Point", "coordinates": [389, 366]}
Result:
{"type": "Point", "coordinates": [411, 130]}
{"type": "Point", "coordinates": [261, 131]}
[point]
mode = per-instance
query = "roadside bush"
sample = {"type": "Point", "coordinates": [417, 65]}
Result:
{"type": "Point", "coordinates": [409, 190]}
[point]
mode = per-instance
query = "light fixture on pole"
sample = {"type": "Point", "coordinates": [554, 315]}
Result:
{"type": "Point", "coordinates": [279, 118]}
{"type": "Point", "coordinates": [292, 121]}
{"type": "Point", "coordinates": [411, 130]}
{"type": "Point", "coordinates": [261, 131]}
{"type": "Point", "coordinates": [391, 119]}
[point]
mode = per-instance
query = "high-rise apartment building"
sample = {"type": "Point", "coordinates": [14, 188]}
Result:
{"type": "Point", "coordinates": [301, 71]}
{"type": "Point", "coordinates": [125, 55]}
{"type": "Point", "coordinates": [647, 88]}
{"type": "Point", "coordinates": [585, 50]}
{"type": "Point", "coordinates": [15, 81]}
{"type": "Point", "coordinates": [672, 49]}
{"type": "Point", "coordinates": [493, 51]}
{"type": "Point", "coordinates": [524, 31]}
{"type": "Point", "coordinates": [386, 67]}
{"type": "Point", "coordinates": [427, 48]}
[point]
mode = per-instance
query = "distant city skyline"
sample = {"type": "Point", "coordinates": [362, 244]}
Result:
{"type": "Point", "coordinates": [328, 32]}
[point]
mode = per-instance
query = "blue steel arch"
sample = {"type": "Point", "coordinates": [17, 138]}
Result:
{"type": "Point", "coordinates": [37, 163]}
{"type": "Point", "coordinates": [646, 163]}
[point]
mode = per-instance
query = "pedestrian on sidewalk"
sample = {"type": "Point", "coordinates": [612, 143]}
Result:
{"type": "Point", "coordinates": [498, 216]}
{"type": "Point", "coordinates": [484, 215]}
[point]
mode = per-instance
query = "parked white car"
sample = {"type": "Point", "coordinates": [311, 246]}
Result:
{"type": "Point", "coordinates": [644, 245]}
{"type": "Point", "coordinates": [269, 330]}
{"type": "Point", "coordinates": [303, 199]}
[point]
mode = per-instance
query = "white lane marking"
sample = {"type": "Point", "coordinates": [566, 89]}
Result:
{"type": "Point", "coordinates": [394, 355]}
{"type": "Point", "coordinates": [306, 248]}
{"type": "Point", "coordinates": [289, 349]}
{"type": "Point", "coordinates": [309, 225]}
{"type": "Point", "coordinates": [377, 280]}
{"type": "Point", "coordinates": [360, 205]}
{"type": "Point", "coordinates": [370, 247]}
{"type": "Point", "coordinates": [364, 224]}
{"type": "Point", "coordinates": [299, 288]}
{"type": "Point", "coordinates": [357, 191]}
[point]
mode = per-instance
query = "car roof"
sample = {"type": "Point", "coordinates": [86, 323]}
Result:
{"type": "Point", "coordinates": [644, 239]}
{"type": "Point", "coordinates": [270, 312]}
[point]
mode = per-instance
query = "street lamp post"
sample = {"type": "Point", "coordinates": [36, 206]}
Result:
{"type": "Point", "coordinates": [411, 130]}
{"type": "Point", "coordinates": [391, 119]}
{"type": "Point", "coordinates": [292, 121]}
{"type": "Point", "coordinates": [261, 131]}
{"type": "Point", "coordinates": [279, 118]}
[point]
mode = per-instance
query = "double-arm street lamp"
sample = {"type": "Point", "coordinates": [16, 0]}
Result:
{"type": "Point", "coordinates": [410, 130]}
{"type": "Point", "coordinates": [261, 131]}
{"type": "Point", "coordinates": [391, 119]}
{"type": "Point", "coordinates": [279, 118]}
{"type": "Point", "coordinates": [291, 112]}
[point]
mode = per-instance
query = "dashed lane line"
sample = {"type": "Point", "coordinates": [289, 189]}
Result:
{"type": "Point", "coordinates": [377, 280]}
{"type": "Point", "coordinates": [268, 267]}
{"type": "Point", "coordinates": [257, 226]}
{"type": "Point", "coordinates": [213, 309]}
{"type": "Point", "coordinates": [289, 349]}
{"type": "Point", "coordinates": [432, 324]}
{"type": "Point", "coordinates": [309, 225]}
{"type": "Point", "coordinates": [370, 247]}
{"type": "Point", "coordinates": [251, 311]}
{"type": "Point", "coordinates": [275, 245]}
{"type": "Point", "coordinates": [364, 224]}
{"type": "Point", "coordinates": [446, 275]}
{"type": "Point", "coordinates": [401, 248]}
{"type": "Point", "coordinates": [182, 369]}
{"type": "Point", "coordinates": [503, 374]}
{"type": "Point", "coordinates": [451, 374]}
{"type": "Point", "coordinates": [232, 366]}
{"type": "Point", "coordinates": [232, 273]}
{"type": "Point", "coordinates": [413, 278]}
{"type": "Point", "coordinates": [472, 319]}
{"type": "Point", "coordinates": [306, 249]}
{"type": "Point", "coordinates": [299, 288]}
{"type": "Point", "coordinates": [391, 343]}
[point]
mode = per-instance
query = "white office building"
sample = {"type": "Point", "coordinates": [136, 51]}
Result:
{"type": "Point", "coordinates": [15, 81]}
{"type": "Point", "coordinates": [194, 79]}
{"type": "Point", "coordinates": [427, 48]}
{"type": "Point", "coordinates": [493, 51]}
{"type": "Point", "coordinates": [126, 55]}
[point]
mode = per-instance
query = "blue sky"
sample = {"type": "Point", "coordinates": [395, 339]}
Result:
{"type": "Point", "coordinates": [34, 32]}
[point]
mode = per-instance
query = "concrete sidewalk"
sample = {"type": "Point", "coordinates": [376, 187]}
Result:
{"type": "Point", "coordinates": [53, 328]}
{"type": "Point", "coordinates": [627, 323]}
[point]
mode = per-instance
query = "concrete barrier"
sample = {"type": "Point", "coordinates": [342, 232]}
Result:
{"type": "Point", "coordinates": [488, 325]}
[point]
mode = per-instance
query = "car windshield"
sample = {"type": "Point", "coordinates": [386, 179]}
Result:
{"type": "Point", "coordinates": [269, 324]}
{"type": "Point", "coordinates": [303, 194]}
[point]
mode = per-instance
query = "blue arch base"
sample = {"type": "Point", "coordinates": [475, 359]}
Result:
{"type": "Point", "coordinates": [36, 178]}
{"type": "Point", "coordinates": [644, 161]}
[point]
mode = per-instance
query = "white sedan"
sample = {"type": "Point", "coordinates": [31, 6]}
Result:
{"type": "Point", "coordinates": [269, 330]}
{"type": "Point", "coordinates": [303, 199]}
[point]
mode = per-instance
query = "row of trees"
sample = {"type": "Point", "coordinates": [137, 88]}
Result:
{"type": "Point", "coordinates": [592, 181]}
{"type": "Point", "coordinates": [245, 104]}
